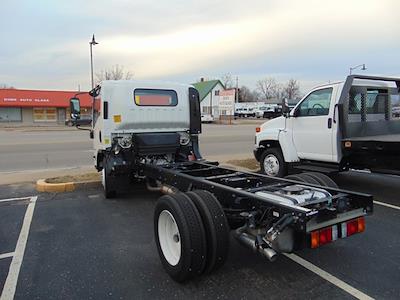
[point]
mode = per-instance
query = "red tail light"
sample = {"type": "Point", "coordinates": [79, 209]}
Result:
{"type": "Point", "coordinates": [351, 227]}
{"type": "Point", "coordinates": [325, 236]}
{"type": "Point", "coordinates": [258, 129]}
{"type": "Point", "coordinates": [361, 224]}
{"type": "Point", "coordinates": [329, 234]}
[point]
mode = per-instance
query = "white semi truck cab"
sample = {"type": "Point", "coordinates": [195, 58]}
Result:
{"type": "Point", "coordinates": [337, 126]}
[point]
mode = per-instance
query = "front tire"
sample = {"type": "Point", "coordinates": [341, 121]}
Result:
{"type": "Point", "coordinates": [108, 183]}
{"type": "Point", "coordinates": [272, 163]}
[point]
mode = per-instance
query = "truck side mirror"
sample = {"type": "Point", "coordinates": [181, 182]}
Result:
{"type": "Point", "coordinates": [285, 108]}
{"type": "Point", "coordinates": [75, 107]}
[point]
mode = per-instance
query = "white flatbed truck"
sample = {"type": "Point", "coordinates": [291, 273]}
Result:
{"type": "Point", "coordinates": [336, 127]}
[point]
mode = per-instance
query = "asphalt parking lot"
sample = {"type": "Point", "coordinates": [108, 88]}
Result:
{"type": "Point", "coordinates": [80, 245]}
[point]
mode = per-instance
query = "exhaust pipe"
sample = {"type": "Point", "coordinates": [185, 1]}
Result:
{"type": "Point", "coordinates": [160, 188]}
{"type": "Point", "coordinates": [250, 242]}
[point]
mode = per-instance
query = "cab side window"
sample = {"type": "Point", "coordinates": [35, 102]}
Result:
{"type": "Point", "coordinates": [316, 104]}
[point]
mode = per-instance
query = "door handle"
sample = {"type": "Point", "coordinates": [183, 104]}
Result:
{"type": "Point", "coordinates": [329, 122]}
{"type": "Point", "coordinates": [334, 113]}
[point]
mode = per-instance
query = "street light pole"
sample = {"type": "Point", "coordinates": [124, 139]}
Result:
{"type": "Point", "coordinates": [92, 43]}
{"type": "Point", "coordinates": [353, 68]}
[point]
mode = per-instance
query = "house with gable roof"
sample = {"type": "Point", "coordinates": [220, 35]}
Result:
{"type": "Point", "coordinates": [209, 96]}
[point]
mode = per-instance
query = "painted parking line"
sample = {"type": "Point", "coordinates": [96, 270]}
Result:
{"type": "Point", "coordinates": [328, 277]}
{"type": "Point", "coordinates": [7, 255]}
{"type": "Point", "coordinates": [387, 205]}
{"type": "Point", "coordinates": [15, 266]}
{"type": "Point", "coordinates": [15, 199]}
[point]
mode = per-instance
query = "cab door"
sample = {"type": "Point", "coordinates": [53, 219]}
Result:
{"type": "Point", "coordinates": [312, 126]}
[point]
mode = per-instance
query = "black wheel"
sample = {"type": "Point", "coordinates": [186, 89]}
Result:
{"type": "Point", "coordinates": [323, 179]}
{"type": "Point", "coordinates": [216, 228]}
{"type": "Point", "coordinates": [272, 163]}
{"type": "Point", "coordinates": [108, 182]}
{"type": "Point", "coordinates": [308, 179]}
{"type": "Point", "coordinates": [180, 237]}
{"type": "Point", "coordinates": [295, 177]}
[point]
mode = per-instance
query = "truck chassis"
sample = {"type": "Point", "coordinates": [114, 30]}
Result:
{"type": "Point", "coordinates": [259, 222]}
{"type": "Point", "coordinates": [204, 202]}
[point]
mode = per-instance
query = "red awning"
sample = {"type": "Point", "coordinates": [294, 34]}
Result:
{"type": "Point", "coordinates": [36, 98]}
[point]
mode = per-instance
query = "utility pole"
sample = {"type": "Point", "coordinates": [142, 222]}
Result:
{"type": "Point", "coordinates": [92, 43]}
{"type": "Point", "coordinates": [237, 90]}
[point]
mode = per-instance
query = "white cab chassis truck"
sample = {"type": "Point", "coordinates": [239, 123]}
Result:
{"type": "Point", "coordinates": [149, 131]}
{"type": "Point", "coordinates": [335, 127]}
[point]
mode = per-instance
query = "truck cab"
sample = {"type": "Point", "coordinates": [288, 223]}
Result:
{"type": "Point", "coordinates": [141, 122]}
{"type": "Point", "coordinates": [329, 123]}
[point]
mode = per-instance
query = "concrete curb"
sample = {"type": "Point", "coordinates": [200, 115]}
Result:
{"type": "Point", "coordinates": [43, 186]}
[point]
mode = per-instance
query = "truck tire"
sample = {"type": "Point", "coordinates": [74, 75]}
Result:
{"type": "Point", "coordinates": [180, 237]}
{"type": "Point", "coordinates": [308, 179]}
{"type": "Point", "coordinates": [295, 177]}
{"type": "Point", "coordinates": [323, 179]}
{"type": "Point", "coordinates": [108, 182]}
{"type": "Point", "coordinates": [314, 178]}
{"type": "Point", "coordinates": [272, 163]}
{"type": "Point", "coordinates": [216, 228]}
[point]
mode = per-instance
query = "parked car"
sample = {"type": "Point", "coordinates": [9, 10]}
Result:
{"type": "Point", "coordinates": [207, 118]}
{"type": "Point", "coordinates": [245, 112]}
{"type": "Point", "coordinates": [273, 112]}
{"type": "Point", "coordinates": [396, 112]}
{"type": "Point", "coordinates": [259, 113]}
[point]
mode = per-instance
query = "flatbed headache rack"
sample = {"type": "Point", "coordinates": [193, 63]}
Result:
{"type": "Point", "coordinates": [237, 189]}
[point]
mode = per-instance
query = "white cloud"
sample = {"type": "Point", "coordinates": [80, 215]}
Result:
{"type": "Point", "coordinates": [310, 40]}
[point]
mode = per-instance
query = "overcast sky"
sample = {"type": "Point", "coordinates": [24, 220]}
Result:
{"type": "Point", "coordinates": [45, 44]}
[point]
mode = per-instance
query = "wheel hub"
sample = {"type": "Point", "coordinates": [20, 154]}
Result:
{"type": "Point", "coordinates": [169, 237]}
{"type": "Point", "coordinates": [271, 165]}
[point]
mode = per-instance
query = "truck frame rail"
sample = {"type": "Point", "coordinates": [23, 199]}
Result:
{"type": "Point", "coordinates": [237, 189]}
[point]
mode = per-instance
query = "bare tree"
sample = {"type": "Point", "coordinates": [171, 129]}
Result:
{"type": "Point", "coordinates": [6, 86]}
{"type": "Point", "coordinates": [267, 87]}
{"type": "Point", "coordinates": [279, 92]}
{"type": "Point", "coordinates": [292, 89]}
{"type": "Point", "coordinates": [116, 72]}
{"type": "Point", "coordinates": [227, 80]}
{"type": "Point", "coordinates": [246, 95]}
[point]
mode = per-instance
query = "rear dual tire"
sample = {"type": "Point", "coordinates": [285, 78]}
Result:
{"type": "Point", "coordinates": [216, 228]}
{"type": "Point", "coordinates": [314, 178]}
{"type": "Point", "coordinates": [192, 234]}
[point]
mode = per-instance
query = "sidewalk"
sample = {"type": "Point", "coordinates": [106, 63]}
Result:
{"type": "Point", "coordinates": [36, 128]}
{"type": "Point", "coordinates": [34, 175]}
